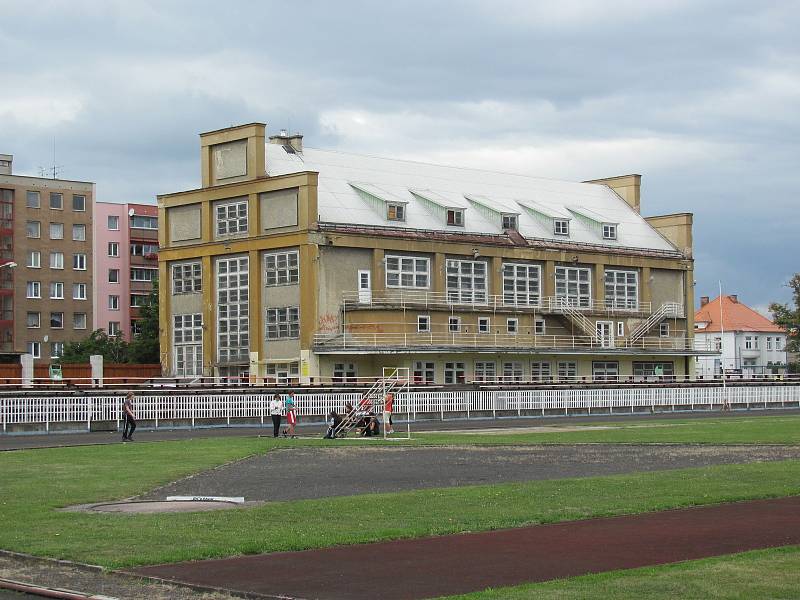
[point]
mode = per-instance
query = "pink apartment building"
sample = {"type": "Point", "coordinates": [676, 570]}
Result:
{"type": "Point", "coordinates": [125, 264]}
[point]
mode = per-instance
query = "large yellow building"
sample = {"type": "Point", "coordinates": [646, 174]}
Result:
{"type": "Point", "coordinates": [291, 262]}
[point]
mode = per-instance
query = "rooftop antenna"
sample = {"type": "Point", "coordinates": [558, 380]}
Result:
{"type": "Point", "coordinates": [54, 171]}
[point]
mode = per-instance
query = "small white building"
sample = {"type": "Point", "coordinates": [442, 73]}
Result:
{"type": "Point", "coordinates": [748, 343]}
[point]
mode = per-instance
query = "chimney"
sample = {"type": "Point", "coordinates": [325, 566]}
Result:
{"type": "Point", "coordinates": [703, 300]}
{"type": "Point", "coordinates": [734, 298]}
{"type": "Point", "coordinates": [292, 142]}
{"type": "Point", "coordinates": [5, 164]}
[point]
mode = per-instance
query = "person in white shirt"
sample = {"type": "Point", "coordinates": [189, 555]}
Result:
{"type": "Point", "coordinates": [276, 411]}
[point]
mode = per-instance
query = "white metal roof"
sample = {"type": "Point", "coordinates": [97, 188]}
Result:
{"type": "Point", "coordinates": [340, 202]}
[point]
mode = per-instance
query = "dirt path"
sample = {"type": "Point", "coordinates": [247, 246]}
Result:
{"type": "Point", "coordinates": [438, 566]}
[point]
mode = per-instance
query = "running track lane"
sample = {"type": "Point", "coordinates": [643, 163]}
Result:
{"type": "Point", "coordinates": [453, 564]}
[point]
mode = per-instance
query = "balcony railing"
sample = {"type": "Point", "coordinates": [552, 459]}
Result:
{"type": "Point", "coordinates": [476, 299]}
{"type": "Point", "coordinates": [462, 340]}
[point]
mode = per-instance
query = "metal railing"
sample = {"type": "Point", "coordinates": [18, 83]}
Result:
{"type": "Point", "coordinates": [405, 298]}
{"type": "Point", "coordinates": [668, 310]}
{"type": "Point", "coordinates": [192, 410]}
{"type": "Point", "coordinates": [393, 340]}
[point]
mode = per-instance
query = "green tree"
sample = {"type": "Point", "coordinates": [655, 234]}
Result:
{"type": "Point", "coordinates": [789, 318]}
{"type": "Point", "coordinates": [144, 347]}
{"type": "Point", "coordinates": [114, 349]}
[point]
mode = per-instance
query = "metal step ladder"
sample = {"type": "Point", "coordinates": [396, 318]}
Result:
{"type": "Point", "coordinates": [373, 400]}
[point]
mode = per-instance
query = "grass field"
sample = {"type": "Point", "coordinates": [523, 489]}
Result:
{"type": "Point", "coordinates": [773, 573]}
{"type": "Point", "coordinates": [36, 482]}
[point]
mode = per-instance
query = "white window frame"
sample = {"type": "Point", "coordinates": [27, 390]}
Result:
{"type": "Point", "coordinates": [78, 232]}
{"type": "Point", "coordinates": [34, 259]}
{"type": "Point", "coordinates": [187, 338]}
{"type": "Point", "coordinates": [58, 349]}
{"type": "Point", "coordinates": [110, 278]}
{"type": "Point", "coordinates": [233, 309]}
{"type": "Point", "coordinates": [114, 328]}
{"type": "Point", "coordinates": [509, 221]}
{"type": "Point", "coordinates": [283, 323]}
{"type": "Point", "coordinates": [561, 227]}
{"type": "Point", "coordinates": [484, 325]}
{"type": "Point", "coordinates": [56, 231]}
{"type": "Point", "coordinates": [407, 272]}
{"type": "Point", "coordinates": [345, 372]}
{"type": "Point", "coordinates": [621, 289]}
{"type": "Point", "coordinates": [57, 260]}
{"type": "Point", "coordinates": [484, 371]}
{"type": "Point", "coordinates": [572, 288]}
{"type": "Point", "coordinates": [113, 302]}
{"type": "Point", "coordinates": [33, 236]}
{"type": "Point", "coordinates": [187, 277]}
{"type": "Point", "coordinates": [79, 291]}
{"type": "Point", "coordinates": [75, 317]}
{"type": "Point", "coordinates": [455, 372]}
{"type": "Point", "coordinates": [281, 268]}
{"type": "Point", "coordinates": [38, 316]}
{"type": "Point", "coordinates": [53, 320]}
{"type": "Point", "coordinates": [138, 249]}
{"type": "Point", "coordinates": [609, 231]}
{"type": "Point", "coordinates": [453, 324]}
{"type": "Point", "coordinates": [60, 196]}
{"type": "Point", "coordinates": [231, 218]}
{"type": "Point", "coordinates": [83, 199]}
{"type": "Point", "coordinates": [467, 281]}
{"type": "Point", "coordinates": [522, 284]}
{"type": "Point", "coordinates": [541, 371]}
{"type": "Point", "coordinates": [423, 323]}
{"type": "Point", "coordinates": [455, 217]}
{"type": "Point", "coordinates": [663, 329]}
{"type": "Point", "coordinates": [567, 370]}
{"type": "Point", "coordinates": [152, 274]}
{"type": "Point", "coordinates": [512, 326]}
{"type": "Point", "coordinates": [620, 329]}
{"type": "Point", "coordinates": [33, 290]}
{"type": "Point", "coordinates": [148, 222]}
{"type": "Point", "coordinates": [79, 262]}
{"type": "Point", "coordinates": [34, 349]}
{"type": "Point", "coordinates": [513, 371]}
{"type": "Point", "coordinates": [113, 249]}
{"type": "Point", "coordinates": [112, 219]}
{"type": "Point", "coordinates": [56, 290]}
{"type": "Point", "coordinates": [395, 211]}
{"type": "Point", "coordinates": [29, 195]}
{"type": "Point", "coordinates": [605, 370]}
{"type": "Point", "coordinates": [539, 326]}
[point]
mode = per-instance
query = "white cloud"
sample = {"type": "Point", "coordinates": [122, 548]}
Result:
{"type": "Point", "coordinates": [40, 112]}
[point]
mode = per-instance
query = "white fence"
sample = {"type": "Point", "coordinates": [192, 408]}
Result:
{"type": "Point", "coordinates": [226, 409]}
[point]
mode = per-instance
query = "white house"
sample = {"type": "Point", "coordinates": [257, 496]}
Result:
{"type": "Point", "coordinates": [747, 342]}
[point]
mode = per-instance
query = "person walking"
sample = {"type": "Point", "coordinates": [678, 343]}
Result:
{"type": "Point", "coordinates": [388, 408]}
{"type": "Point", "coordinates": [291, 415]}
{"type": "Point", "coordinates": [128, 418]}
{"type": "Point", "coordinates": [276, 411]}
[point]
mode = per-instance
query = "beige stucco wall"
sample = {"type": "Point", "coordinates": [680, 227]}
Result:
{"type": "Point", "coordinates": [184, 224]}
{"type": "Point", "coordinates": [278, 210]}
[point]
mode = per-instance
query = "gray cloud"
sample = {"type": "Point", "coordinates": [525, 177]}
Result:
{"type": "Point", "coordinates": [699, 97]}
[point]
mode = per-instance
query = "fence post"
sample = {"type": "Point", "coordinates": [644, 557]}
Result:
{"type": "Point", "coordinates": [89, 408]}
{"type": "Point", "coordinates": [26, 360]}
{"type": "Point", "coordinates": [96, 362]}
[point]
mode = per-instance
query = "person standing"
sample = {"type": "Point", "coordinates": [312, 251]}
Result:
{"type": "Point", "coordinates": [291, 414]}
{"type": "Point", "coordinates": [275, 411]}
{"type": "Point", "coordinates": [388, 408]}
{"type": "Point", "coordinates": [128, 418]}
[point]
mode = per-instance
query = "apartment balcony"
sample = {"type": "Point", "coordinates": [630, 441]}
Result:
{"type": "Point", "coordinates": [750, 353]}
{"type": "Point", "coordinates": [476, 301]}
{"type": "Point", "coordinates": [427, 343]}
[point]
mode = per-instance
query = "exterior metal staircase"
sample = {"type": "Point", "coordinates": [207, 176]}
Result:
{"type": "Point", "coordinates": [668, 310]}
{"type": "Point", "coordinates": [577, 318]}
{"type": "Point", "coordinates": [373, 400]}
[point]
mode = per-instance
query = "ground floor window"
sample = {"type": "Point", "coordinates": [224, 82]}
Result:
{"type": "Point", "coordinates": [567, 370]}
{"type": "Point", "coordinates": [455, 372]}
{"type": "Point", "coordinates": [344, 372]}
{"type": "Point", "coordinates": [652, 369]}
{"type": "Point", "coordinates": [283, 372]}
{"type": "Point", "coordinates": [540, 371]}
{"type": "Point", "coordinates": [512, 371]}
{"type": "Point", "coordinates": [485, 371]}
{"type": "Point", "coordinates": [605, 371]}
{"type": "Point", "coordinates": [189, 360]}
{"type": "Point", "coordinates": [423, 372]}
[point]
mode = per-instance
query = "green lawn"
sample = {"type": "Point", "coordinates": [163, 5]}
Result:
{"type": "Point", "coordinates": [36, 482]}
{"type": "Point", "coordinates": [773, 573]}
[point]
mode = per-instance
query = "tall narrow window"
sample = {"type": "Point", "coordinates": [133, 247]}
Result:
{"type": "Point", "coordinates": [187, 335]}
{"type": "Point", "coordinates": [233, 309]}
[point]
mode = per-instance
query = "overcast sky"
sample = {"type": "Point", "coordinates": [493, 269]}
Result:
{"type": "Point", "coordinates": [701, 98]}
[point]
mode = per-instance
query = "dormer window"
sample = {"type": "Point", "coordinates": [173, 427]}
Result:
{"type": "Point", "coordinates": [455, 217]}
{"type": "Point", "coordinates": [396, 212]}
{"type": "Point", "coordinates": [510, 222]}
{"type": "Point", "coordinates": [609, 231]}
{"type": "Point", "coordinates": [561, 226]}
